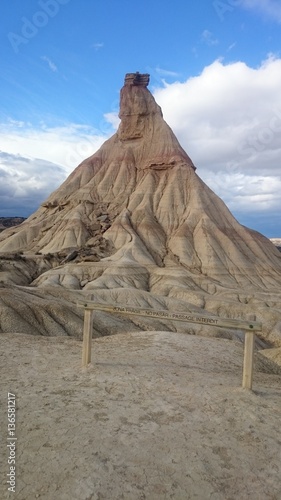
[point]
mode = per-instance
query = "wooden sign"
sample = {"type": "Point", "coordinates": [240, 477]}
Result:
{"type": "Point", "coordinates": [249, 326]}
{"type": "Point", "coordinates": [173, 316]}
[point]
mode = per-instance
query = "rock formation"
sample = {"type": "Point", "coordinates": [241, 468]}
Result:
{"type": "Point", "coordinates": [10, 222]}
{"type": "Point", "coordinates": [135, 224]}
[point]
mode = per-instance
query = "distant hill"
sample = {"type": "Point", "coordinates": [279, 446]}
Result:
{"type": "Point", "coordinates": [276, 242]}
{"type": "Point", "coordinates": [6, 222]}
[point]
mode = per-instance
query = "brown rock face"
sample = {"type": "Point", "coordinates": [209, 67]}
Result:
{"type": "Point", "coordinates": [141, 118]}
{"type": "Point", "coordinates": [163, 237]}
{"type": "Point", "coordinates": [106, 181]}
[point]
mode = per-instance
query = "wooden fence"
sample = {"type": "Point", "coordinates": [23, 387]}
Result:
{"type": "Point", "coordinates": [248, 326]}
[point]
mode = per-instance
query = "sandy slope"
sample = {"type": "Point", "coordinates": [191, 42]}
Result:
{"type": "Point", "coordinates": [158, 416]}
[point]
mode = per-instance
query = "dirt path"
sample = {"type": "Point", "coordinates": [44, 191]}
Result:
{"type": "Point", "coordinates": [158, 416]}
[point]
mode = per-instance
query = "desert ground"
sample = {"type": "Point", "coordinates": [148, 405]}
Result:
{"type": "Point", "coordinates": [157, 415]}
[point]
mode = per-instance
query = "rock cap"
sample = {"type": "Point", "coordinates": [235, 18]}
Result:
{"type": "Point", "coordinates": [137, 79]}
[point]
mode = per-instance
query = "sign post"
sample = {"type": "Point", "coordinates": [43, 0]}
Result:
{"type": "Point", "coordinates": [249, 326]}
{"type": "Point", "coordinates": [87, 337]}
{"type": "Point", "coordinates": [248, 360]}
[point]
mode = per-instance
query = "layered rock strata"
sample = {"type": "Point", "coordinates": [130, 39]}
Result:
{"type": "Point", "coordinates": [142, 228]}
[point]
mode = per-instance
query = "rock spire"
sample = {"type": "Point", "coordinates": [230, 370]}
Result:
{"type": "Point", "coordinates": [139, 226]}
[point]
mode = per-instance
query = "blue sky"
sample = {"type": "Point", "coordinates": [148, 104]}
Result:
{"type": "Point", "coordinates": [215, 70]}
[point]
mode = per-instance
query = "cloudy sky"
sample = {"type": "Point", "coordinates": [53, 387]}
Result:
{"type": "Point", "coordinates": [215, 70]}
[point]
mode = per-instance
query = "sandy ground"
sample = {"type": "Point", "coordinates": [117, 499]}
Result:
{"type": "Point", "coordinates": [157, 415]}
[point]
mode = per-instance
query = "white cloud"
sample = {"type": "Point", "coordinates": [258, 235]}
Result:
{"type": "Point", "coordinates": [65, 145]}
{"type": "Point", "coordinates": [35, 161]}
{"type": "Point", "coordinates": [228, 119]}
{"type": "Point", "coordinates": [166, 72]}
{"type": "Point", "coordinates": [97, 46]}
{"type": "Point", "coordinates": [113, 119]}
{"type": "Point", "coordinates": [231, 46]}
{"type": "Point", "coordinates": [270, 8]}
{"type": "Point", "coordinates": [50, 63]}
{"type": "Point", "coordinates": [26, 182]}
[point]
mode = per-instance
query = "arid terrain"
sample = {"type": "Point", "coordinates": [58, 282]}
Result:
{"type": "Point", "coordinates": [134, 224]}
{"type": "Point", "coordinates": [158, 415]}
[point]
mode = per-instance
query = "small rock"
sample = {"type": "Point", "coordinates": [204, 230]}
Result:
{"type": "Point", "coordinates": [102, 218]}
{"type": "Point", "coordinates": [70, 256]}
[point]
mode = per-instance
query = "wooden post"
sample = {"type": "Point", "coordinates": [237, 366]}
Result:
{"type": "Point", "coordinates": [87, 337]}
{"type": "Point", "coordinates": [250, 326]}
{"type": "Point", "coordinates": [248, 360]}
